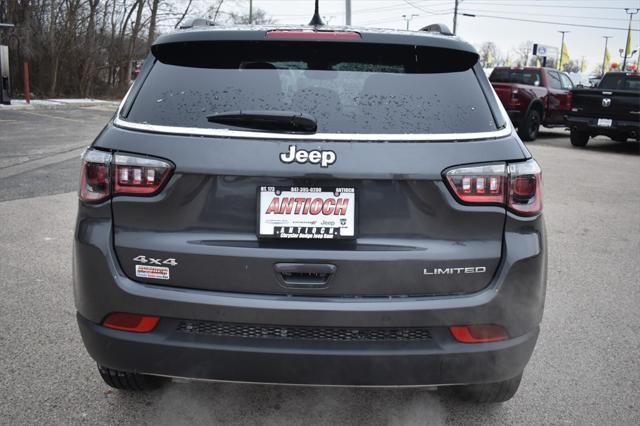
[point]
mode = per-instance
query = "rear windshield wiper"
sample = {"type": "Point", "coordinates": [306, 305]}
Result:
{"type": "Point", "coordinates": [275, 121]}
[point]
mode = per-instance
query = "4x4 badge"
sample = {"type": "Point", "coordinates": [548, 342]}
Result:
{"type": "Point", "coordinates": [301, 156]}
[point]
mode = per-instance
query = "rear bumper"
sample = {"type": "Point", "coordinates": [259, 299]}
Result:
{"type": "Point", "coordinates": [590, 124]}
{"type": "Point", "coordinates": [440, 361]}
{"type": "Point", "coordinates": [514, 299]}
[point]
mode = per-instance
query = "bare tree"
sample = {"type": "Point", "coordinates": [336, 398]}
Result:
{"type": "Point", "coordinates": [87, 47]}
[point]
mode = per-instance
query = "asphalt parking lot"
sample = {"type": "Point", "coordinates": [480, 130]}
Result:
{"type": "Point", "coordinates": [585, 370]}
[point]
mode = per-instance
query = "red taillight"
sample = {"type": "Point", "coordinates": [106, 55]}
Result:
{"type": "Point", "coordinates": [95, 176]}
{"type": "Point", "coordinates": [139, 175]}
{"type": "Point", "coordinates": [104, 174]}
{"type": "Point", "coordinates": [478, 333]}
{"type": "Point", "coordinates": [478, 184]}
{"type": "Point", "coordinates": [525, 188]}
{"type": "Point", "coordinates": [514, 99]}
{"type": "Point", "coordinates": [313, 35]}
{"type": "Point", "coordinates": [516, 185]}
{"type": "Point", "coordinates": [131, 322]}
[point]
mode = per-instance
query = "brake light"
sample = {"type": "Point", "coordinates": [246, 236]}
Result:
{"type": "Point", "coordinates": [104, 174]}
{"type": "Point", "coordinates": [313, 35]}
{"type": "Point", "coordinates": [139, 175]}
{"type": "Point", "coordinates": [131, 322]}
{"type": "Point", "coordinates": [478, 333]}
{"type": "Point", "coordinates": [516, 186]}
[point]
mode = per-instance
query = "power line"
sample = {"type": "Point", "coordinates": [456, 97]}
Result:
{"type": "Point", "coordinates": [432, 12]}
{"type": "Point", "coordinates": [518, 4]}
{"type": "Point", "coordinates": [545, 14]}
{"type": "Point", "coordinates": [509, 18]}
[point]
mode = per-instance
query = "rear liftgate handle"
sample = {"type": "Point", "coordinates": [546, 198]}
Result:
{"type": "Point", "coordinates": [304, 275]}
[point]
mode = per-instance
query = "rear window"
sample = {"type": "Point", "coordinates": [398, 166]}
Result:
{"type": "Point", "coordinates": [528, 77]}
{"type": "Point", "coordinates": [346, 88]}
{"type": "Point", "coordinates": [620, 82]}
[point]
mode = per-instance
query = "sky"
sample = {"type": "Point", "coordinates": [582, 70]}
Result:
{"type": "Point", "coordinates": [506, 32]}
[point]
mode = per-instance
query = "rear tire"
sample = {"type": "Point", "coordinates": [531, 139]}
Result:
{"type": "Point", "coordinates": [489, 392]}
{"type": "Point", "coordinates": [130, 381]}
{"type": "Point", "coordinates": [528, 130]}
{"type": "Point", "coordinates": [579, 138]}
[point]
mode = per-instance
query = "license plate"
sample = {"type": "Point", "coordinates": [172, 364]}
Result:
{"type": "Point", "coordinates": [605, 122]}
{"type": "Point", "coordinates": [310, 213]}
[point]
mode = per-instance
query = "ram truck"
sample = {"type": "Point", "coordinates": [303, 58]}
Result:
{"type": "Point", "coordinates": [611, 109]}
{"type": "Point", "coordinates": [533, 96]}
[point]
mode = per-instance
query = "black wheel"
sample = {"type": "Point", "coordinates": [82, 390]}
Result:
{"type": "Point", "coordinates": [578, 138]}
{"type": "Point", "coordinates": [489, 392]}
{"type": "Point", "coordinates": [130, 381]}
{"type": "Point", "coordinates": [528, 130]}
{"type": "Point", "coordinates": [620, 138]}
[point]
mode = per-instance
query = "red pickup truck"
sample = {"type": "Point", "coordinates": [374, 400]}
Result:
{"type": "Point", "coordinates": [532, 97]}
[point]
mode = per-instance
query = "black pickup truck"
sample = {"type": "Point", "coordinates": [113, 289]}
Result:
{"type": "Point", "coordinates": [612, 109]}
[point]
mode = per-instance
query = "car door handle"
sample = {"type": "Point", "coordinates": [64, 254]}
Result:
{"type": "Point", "coordinates": [304, 275]}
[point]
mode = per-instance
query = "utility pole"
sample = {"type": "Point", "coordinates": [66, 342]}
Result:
{"type": "Point", "coordinates": [347, 9]}
{"type": "Point", "coordinates": [561, 49]}
{"type": "Point", "coordinates": [604, 57]}
{"type": "Point", "coordinates": [455, 17]}
{"type": "Point", "coordinates": [250, 12]}
{"type": "Point", "coordinates": [630, 12]}
{"type": "Point", "coordinates": [409, 18]}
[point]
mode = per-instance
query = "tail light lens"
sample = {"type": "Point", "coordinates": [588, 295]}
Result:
{"type": "Point", "coordinates": [105, 174]}
{"type": "Point", "coordinates": [479, 184]}
{"type": "Point", "coordinates": [95, 176]}
{"type": "Point", "coordinates": [525, 188]}
{"type": "Point", "coordinates": [131, 322]}
{"type": "Point", "coordinates": [139, 175]}
{"type": "Point", "coordinates": [514, 100]}
{"type": "Point", "coordinates": [478, 333]}
{"type": "Point", "coordinates": [516, 186]}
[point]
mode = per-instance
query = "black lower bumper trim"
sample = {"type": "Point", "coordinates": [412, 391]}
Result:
{"type": "Point", "coordinates": [162, 352]}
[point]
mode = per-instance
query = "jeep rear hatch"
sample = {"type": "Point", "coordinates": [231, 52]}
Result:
{"type": "Point", "coordinates": [216, 226]}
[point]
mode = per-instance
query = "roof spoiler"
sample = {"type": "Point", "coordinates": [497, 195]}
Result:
{"type": "Point", "coordinates": [197, 22]}
{"type": "Point", "coordinates": [437, 28]}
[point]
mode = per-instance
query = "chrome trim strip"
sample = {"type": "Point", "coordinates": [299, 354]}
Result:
{"type": "Point", "coordinates": [227, 133]}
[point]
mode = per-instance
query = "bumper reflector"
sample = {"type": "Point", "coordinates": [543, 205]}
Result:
{"type": "Point", "coordinates": [131, 322]}
{"type": "Point", "coordinates": [478, 333]}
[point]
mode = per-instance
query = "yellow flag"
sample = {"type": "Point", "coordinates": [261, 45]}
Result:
{"type": "Point", "coordinates": [489, 57]}
{"type": "Point", "coordinates": [538, 64]}
{"type": "Point", "coordinates": [607, 60]}
{"type": "Point", "coordinates": [583, 66]}
{"type": "Point", "coordinates": [565, 56]}
{"type": "Point", "coordinates": [508, 60]}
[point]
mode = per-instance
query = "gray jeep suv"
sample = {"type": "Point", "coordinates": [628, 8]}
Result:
{"type": "Point", "coordinates": [322, 206]}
